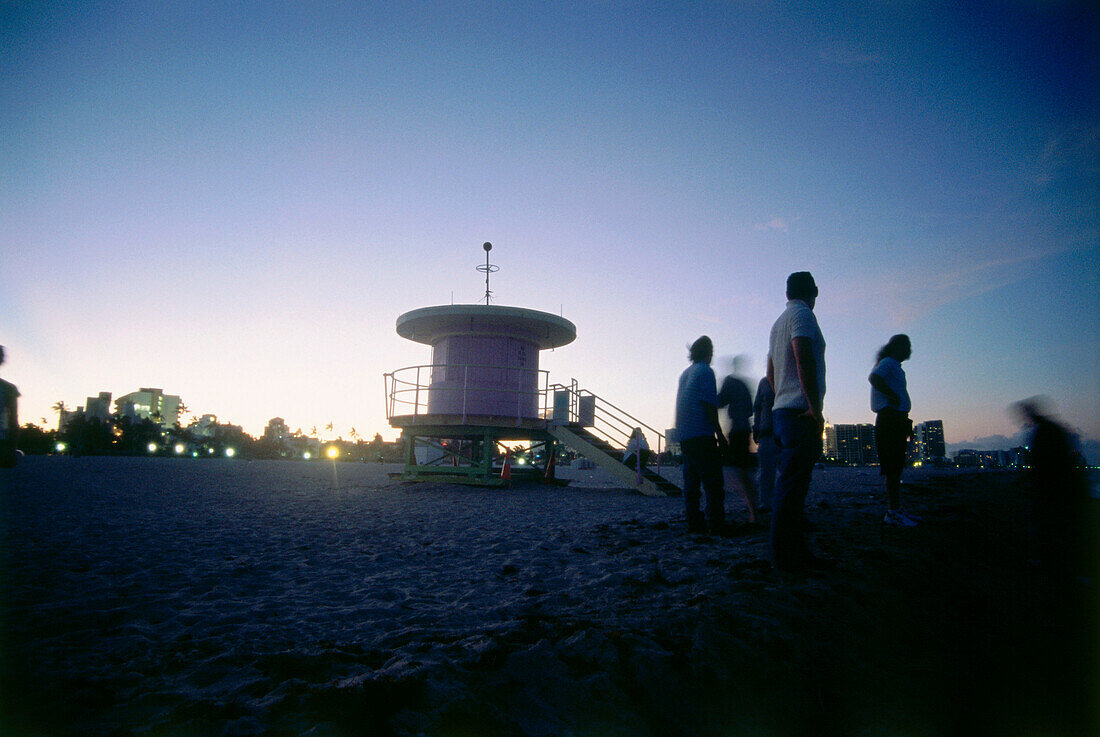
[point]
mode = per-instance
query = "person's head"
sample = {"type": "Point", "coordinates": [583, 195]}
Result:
{"type": "Point", "coordinates": [701, 350]}
{"type": "Point", "coordinates": [898, 347]}
{"type": "Point", "coordinates": [801, 285]}
{"type": "Point", "coordinates": [1, 354]}
{"type": "Point", "coordinates": [1031, 410]}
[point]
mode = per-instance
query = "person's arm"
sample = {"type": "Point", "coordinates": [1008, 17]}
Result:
{"type": "Point", "coordinates": [724, 393]}
{"type": "Point", "coordinates": [807, 376]}
{"type": "Point", "coordinates": [712, 415]}
{"type": "Point", "coordinates": [882, 387]}
{"type": "Point", "coordinates": [770, 375]}
{"type": "Point", "coordinates": [757, 408]}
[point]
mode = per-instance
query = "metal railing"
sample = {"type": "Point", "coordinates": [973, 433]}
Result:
{"type": "Point", "coordinates": [609, 422]}
{"type": "Point", "coordinates": [407, 392]}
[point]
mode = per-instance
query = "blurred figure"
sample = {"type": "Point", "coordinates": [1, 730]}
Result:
{"type": "Point", "coordinates": [765, 443]}
{"type": "Point", "coordinates": [1064, 552]}
{"type": "Point", "coordinates": [796, 371]}
{"type": "Point", "coordinates": [891, 404]}
{"type": "Point", "coordinates": [9, 421]}
{"type": "Point", "coordinates": [637, 449]}
{"type": "Point", "coordinates": [1058, 491]}
{"type": "Point", "coordinates": [737, 399]}
{"type": "Point", "coordinates": [702, 442]}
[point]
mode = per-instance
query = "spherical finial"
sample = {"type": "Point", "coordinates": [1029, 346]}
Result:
{"type": "Point", "coordinates": [487, 246]}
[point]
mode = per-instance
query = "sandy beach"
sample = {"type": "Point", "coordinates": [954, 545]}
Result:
{"type": "Point", "coordinates": [171, 597]}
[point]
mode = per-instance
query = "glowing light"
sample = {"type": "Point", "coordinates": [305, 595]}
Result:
{"type": "Point", "coordinates": [60, 447]}
{"type": "Point", "coordinates": [332, 452]}
{"type": "Point", "coordinates": [179, 448]}
{"type": "Point", "coordinates": [152, 447]}
{"type": "Point", "coordinates": [307, 455]}
{"type": "Point", "coordinates": [194, 454]}
{"type": "Point", "coordinates": [230, 452]}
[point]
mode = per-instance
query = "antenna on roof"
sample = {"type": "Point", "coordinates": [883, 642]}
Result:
{"type": "Point", "coordinates": [487, 269]}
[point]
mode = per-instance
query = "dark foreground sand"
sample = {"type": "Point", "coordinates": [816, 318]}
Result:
{"type": "Point", "coordinates": [164, 597]}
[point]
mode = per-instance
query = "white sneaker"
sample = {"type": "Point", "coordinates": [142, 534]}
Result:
{"type": "Point", "coordinates": [899, 518]}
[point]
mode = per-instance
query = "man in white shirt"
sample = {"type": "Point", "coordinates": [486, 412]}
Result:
{"type": "Point", "coordinates": [796, 370]}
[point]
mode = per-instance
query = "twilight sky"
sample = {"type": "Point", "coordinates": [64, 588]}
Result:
{"type": "Point", "coordinates": [234, 202]}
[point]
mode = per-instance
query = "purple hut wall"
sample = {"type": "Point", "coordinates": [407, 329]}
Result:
{"type": "Point", "coordinates": [484, 375]}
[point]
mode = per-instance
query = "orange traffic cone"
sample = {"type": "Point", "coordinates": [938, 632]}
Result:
{"type": "Point", "coordinates": [549, 475]}
{"type": "Point", "coordinates": [506, 471]}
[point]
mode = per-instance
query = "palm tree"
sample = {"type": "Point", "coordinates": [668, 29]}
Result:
{"type": "Point", "coordinates": [354, 435]}
{"type": "Point", "coordinates": [60, 409]}
{"type": "Point", "coordinates": [329, 427]}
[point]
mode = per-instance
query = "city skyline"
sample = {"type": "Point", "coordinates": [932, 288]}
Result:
{"type": "Point", "coordinates": [237, 204]}
{"type": "Point", "coordinates": [333, 433]}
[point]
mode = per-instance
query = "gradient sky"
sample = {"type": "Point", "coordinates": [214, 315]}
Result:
{"type": "Point", "coordinates": [235, 202]}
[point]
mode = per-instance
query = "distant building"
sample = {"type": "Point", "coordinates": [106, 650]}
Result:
{"type": "Point", "coordinates": [970, 458]}
{"type": "Point", "coordinates": [204, 426]}
{"type": "Point", "coordinates": [66, 417]}
{"type": "Point", "coordinates": [154, 404]}
{"type": "Point", "coordinates": [276, 430]}
{"type": "Point", "coordinates": [930, 445]}
{"type": "Point", "coordinates": [830, 441]}
{"type": "Point", "coordinates": [98, 407]}
{"type": "Point", "coordinates": [1018, 457]}
{"type": "Point", "coordinates": [852, 444]}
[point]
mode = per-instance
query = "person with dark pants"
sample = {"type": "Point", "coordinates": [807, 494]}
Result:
{"type": "Point", "coordinates": [702, 442]}
{"type": "Point", "coordinates": [703, 466]}
{"type": "Point", "coordinates": [763, 435]}
{"type": "Point", "coordinates": [796, 371]}
{"type": "Point", "coordinates": [798, 438]}
{"type": "Point", "coordinates": [735, 396]}
{"type": "Point", "coordinates": [893, 428]}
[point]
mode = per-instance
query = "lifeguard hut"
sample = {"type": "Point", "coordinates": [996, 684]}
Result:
{"type": "Point", "coordinates": [484, 389]}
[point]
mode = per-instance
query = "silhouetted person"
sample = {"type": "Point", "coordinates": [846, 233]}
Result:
{"type": "Point", "coordinates": [637, 449]}
{"type": "Point", "coordinates": [762, 435]}
{"type": "Point", "coordinates": [1058, 491]}
{"type": "Point", "coordinates": [796, 371]}
{"type": "Point", "coordinates": [737, 399]}
{"type": "Point", "coordinates": [702, 443]}
{"type": "Point", "coordinates": [9, 421]}
{"type": "Point", "coordinates": [891, 404]}
{"type": "Point", "coordinates": [1065, 637]}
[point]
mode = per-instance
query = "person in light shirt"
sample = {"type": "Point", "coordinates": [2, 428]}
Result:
{"type": "Point", "coordinates": [891, 404]}
{"type": "Point", "coordinates": [796, 371]}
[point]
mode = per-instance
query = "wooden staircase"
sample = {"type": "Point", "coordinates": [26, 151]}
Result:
{"type": "Point", "coordinates": [609, 458]}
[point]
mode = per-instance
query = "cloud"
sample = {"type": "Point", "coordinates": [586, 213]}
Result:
{"type": "Point", "coordinates": [778, 224]}
{"type": "Point", "coordinates": [910, 293]}
{"type": "Point", "coordinates": [1073, 153]}
{"type": "Point", "coordinates": [990, 442]}
{"type": "Point", "coordinates": [842, 54]}
{"type": "Point", "coordinates": [1088, 447]}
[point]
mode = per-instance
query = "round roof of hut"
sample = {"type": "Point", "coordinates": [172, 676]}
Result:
{"type": "Point", "coordinates": [430, 324]}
